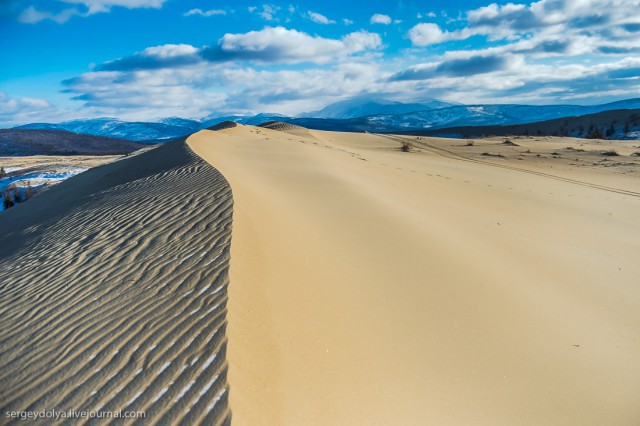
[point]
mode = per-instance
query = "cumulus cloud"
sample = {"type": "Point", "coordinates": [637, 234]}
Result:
{"type": "Point", "coordinates": [205, 13]}
{"type": "Point", "coordinates": [289, 91]}
{"type": "Point", "coordinates": [196, 91]}
{"type": "Point", "coordinates": [459, 67]}
{"type": "Point", "coordinates": [319, 19]}
{"type": "Point", "coordinates": [379, 18]}
{"type": "Point", "coordinates": [278, 44]}
{"type": "Point", "coordinates": [269, 45]}
{"type": "Point", "coordinates": [567, 27]}
{"type": "Point", "coordinates": [148, 93]}
{"type": "Point", "coordinates": [426, 34]}
{"type": "Point", "coordinates": [165, 56]}
{"type": "Point", "coordinates": [21, 110]}
{"type": "Point", "coordinates": [493, 79]}
{"type": "Point", "coordinates": [346, 21]}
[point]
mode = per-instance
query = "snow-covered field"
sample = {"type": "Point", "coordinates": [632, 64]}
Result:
{"type": "Point", "coordinates": [27, 176]}
{"type": "Point", "coordinates": [32, 182]}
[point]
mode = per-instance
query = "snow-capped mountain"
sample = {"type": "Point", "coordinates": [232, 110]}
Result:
{"type": "Point", "coordinates": [362, 106]}
{"type": "Point", "coordinates": [169, 128]}
{"type": "Point", "coordinates": [466, 115]}
{"type": "Point", "coordinates": [431, 115]}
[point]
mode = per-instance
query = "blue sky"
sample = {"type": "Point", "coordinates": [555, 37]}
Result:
{"type": "Point", "coordinates": [148, 59]}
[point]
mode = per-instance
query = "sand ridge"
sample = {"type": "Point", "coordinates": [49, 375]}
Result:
{"type": "Point", "coordinates": [113, 289]}
{"type": "Point", "coordinates": [374, 286]}
{"type": "Point", "coordinates": [287, 128]}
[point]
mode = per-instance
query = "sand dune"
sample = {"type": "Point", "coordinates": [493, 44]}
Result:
{"type": "Point", "coordinates": [372, 286]}
{"type": "Point", "coordinates": [287, 128]}
{"type": "Point", "coordinates": [484, 284]}
{"type": "Point", "coordinates": [113, 293]}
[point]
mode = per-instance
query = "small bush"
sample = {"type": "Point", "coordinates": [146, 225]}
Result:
{"type": "Point", "coordinates": [29, 192]}
{"type": "Point", "coordinates": [610, 153]}
{"type": "Point", "coordinates": [636, 154]}
{"type": "Point", "coordinates": [406, 146]}
{"type": "Point", "coordinates": [9, 196]}
{"type": "Point", "coordinates": [2, 172]}
{"type": "Point", "coordinates": [470, 143]}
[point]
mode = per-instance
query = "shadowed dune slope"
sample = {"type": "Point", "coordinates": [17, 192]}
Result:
{"type": "Point", "coordinates": [113, 293]}
{"type": "Point", "coordinates": [287, 128]}
{"type": "Point", "coordinates": [373, 286]}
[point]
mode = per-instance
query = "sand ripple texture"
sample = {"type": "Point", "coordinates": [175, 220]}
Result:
{"type": "Point", "coordinates": [113, 293]}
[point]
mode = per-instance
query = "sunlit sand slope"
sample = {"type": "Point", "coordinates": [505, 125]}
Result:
{"type": "Point", "coordinates": [113, 293]}
{"type": "Point", "coordinates": [374, 286]}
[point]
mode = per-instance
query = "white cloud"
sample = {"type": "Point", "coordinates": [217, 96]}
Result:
{"type": "Point", "coordinates": [268, 12]}
{"type": "Point", "coordinates": [205, 13]}
{"type": "Point", "coordinates": [149, 94]}
{"type": "Point", "coordinates": [31, 15]}
{"type": "Point", "coordinates": [22, 110]}
{"type": "Point", "coordinates": [269, 45]}
{"type": "Point", "coordinates": [426, 34]}
{"type": "Point", "coordinates": [197, 90]}
{"type": "Point", "coordinates": [379, 18]}
{"type": "Point", "coordinates": [319, 19]}
{"type": "Point", "coordinates": [347, 22]}
{"type": "Point", "coordinates": [549, 51]}
{"type": "Point", "coordinates": [291, 92]}
{"type": "Point", "coordinates": [278, 44]}
{"type": "Point", "coordinates": [96, 6]}
{"type": "Point", "coordinates": [156, 57]}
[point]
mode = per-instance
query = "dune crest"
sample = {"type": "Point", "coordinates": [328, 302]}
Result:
{"type": "Point", "coordinates": [223, 126]}
{"type": "Point", "coordinates": [286, 127]}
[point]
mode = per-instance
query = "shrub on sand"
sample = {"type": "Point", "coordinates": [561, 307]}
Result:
{"type": "Point", "coordinates": [9, 198]}
{"type": "Point", "coordinates": [406, 146]}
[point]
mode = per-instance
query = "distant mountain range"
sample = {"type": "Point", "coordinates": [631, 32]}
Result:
{"type": "Point", "coordinates": [358, 114]}
{"type": "Point", "coordinates": [463, 115]}
{"type": "Point", "coordinates": [615, 124]}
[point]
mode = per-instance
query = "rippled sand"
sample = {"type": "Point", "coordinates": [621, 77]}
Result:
{"type": "Point", "coordinates": [113, 290]}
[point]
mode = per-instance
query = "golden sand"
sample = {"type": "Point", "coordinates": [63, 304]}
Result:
{"type": "Point", "coordinates": [440, 286]}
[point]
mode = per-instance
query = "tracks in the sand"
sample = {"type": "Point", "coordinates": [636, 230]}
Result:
{"type": "Point", "coordinates": [452, 155]}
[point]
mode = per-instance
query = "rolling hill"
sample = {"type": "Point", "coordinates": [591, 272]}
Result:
{"type": "Point", "coordinates": [23, 142]}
